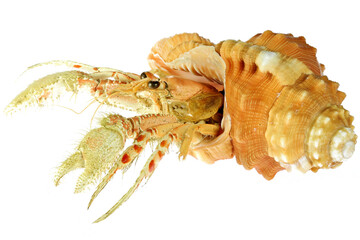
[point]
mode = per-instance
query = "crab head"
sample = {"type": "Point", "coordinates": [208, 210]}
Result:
{"type": "Point", "coordinates": [187, 100]}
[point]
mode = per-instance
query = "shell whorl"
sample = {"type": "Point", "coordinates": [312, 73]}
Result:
{"type": "Point", "coordinates": [303, 121]}
{"type": "Point", "coordinates": [331, 139]}
{"type": "Point", "coordinates": [288, 45]}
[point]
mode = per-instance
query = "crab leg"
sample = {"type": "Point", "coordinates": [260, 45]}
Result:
{"type": "Point", "coordinates": [190, 136]}
{"type": "Point", "coordinates": [132, 152]}
{"type": "Point", "coordinates": [133, 126]}
{"type": "Point", "coordinates": [83, 68]}
{"type": "Point", "coordinates": [101, 147]}
{"type": "Point", "coordinates": [149, 166]}
{"type": "Point", "coordinates": [186, 134]}
{"type": "Point", "coordinates": [116, 75]}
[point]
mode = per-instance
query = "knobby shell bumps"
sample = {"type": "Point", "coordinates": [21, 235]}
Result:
{"type": "Point", "coordinates": [264, 101]}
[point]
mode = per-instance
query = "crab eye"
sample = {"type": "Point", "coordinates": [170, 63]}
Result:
{"type": "Point", "coordinates": [143, 75]}
{"type": "Point", "coordinates": [153, 84]}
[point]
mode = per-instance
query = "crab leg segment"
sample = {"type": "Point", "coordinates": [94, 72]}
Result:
{"type": "Point", "coordinates": [132, 152]}
{"type": "Point", "coordinates": [149, 166]}
{"type": "Point", "coordinates": [133, 126]}
{"type": "Point", "coordinates": [82, 67]}
{"type": "Point", "coordinates": [196, 134]}
{"type": "Point", "coordinates": [116, 75]}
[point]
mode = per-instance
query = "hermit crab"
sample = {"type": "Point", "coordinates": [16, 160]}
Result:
{"type": "Point", "coordinates": [264, 101]}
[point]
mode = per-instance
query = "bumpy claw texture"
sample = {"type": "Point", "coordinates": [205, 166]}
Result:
{"type": "Point", "coordinates": [264, 101]}
{"type": "Point", "coordinates": [49, 87]}
{"type": "Point", "coordinates": [96, 153]}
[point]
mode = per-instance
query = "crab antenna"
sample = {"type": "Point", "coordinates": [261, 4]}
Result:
{"type": "Point", "coordinates": [92, 101]}
{"type": "Point", "coordinates": [101, 103]}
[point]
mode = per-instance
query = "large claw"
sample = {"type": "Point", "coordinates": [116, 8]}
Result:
{"type": "Point", "coordinates": [115, 88]}
{"type": "Point", "coordinates": [48, 88]}
{"type": "Point", "coordinates": [96, 153]}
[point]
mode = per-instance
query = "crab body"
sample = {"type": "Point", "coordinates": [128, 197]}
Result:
{"type": "Point", "coordinates": [264, 101]}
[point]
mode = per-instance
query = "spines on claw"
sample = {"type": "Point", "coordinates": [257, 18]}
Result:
{"type": "Point", "coordinates": [96, 153]}
{"type": "Point", "coordinates": [47, 88]}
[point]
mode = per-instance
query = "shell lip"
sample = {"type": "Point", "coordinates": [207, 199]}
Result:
{"type": "Point", "coordinates": [160, 67]}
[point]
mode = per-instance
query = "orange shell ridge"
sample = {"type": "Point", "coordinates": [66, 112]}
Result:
{"type": "Point", "coordinates": [288, 45]}
{"type": "Point", "coordinates": [255, 76]}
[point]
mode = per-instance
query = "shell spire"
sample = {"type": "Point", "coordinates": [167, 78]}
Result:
{"type": "Point", "coordinates": [310, 112]}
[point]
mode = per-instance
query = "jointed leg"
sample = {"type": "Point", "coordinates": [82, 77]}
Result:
{"type": "Point", "coordinates": [148, 168]}
{"type": "Point", "coordinates": [101, 147]}
{"type": "Point", "coordinates": [185, 134]}
{"type": "Point", "coordinates": [132, 152]}
{"type": "Point", "coordinates": [133, 126]}
{"type": "Point", "coordinates": [110, 72]}
{"type": "Point", "coordinates": [195, 134]}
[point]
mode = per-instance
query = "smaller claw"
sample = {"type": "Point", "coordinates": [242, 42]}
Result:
{"type": "Point", "coordinates": [96, 153]}
{"type": "Point", "coordinates": [75, 161]}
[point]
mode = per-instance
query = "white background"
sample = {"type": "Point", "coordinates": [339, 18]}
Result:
{"type": "Point", "coordinates": [183, 200]}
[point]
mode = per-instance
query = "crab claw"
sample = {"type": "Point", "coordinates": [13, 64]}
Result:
{"type": "Point", "coordinates": [96, 153]}
{"type": "Point", "coordinates": [115, 88]}
{"type": "Point", "coordinates": [49, 88]}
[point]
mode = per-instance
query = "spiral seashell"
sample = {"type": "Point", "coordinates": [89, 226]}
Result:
{"type": "Point", "coordinates": [280, 112]}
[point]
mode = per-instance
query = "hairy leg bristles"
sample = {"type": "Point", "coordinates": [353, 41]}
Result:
{"type": "Point", "coordinates": [146, 172]}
